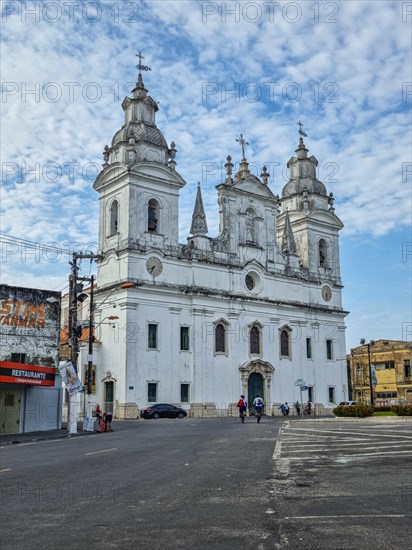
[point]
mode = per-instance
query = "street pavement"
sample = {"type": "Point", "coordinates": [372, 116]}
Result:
{"type": "Point", "coordinates": [345, 485]}
{"type": "Point", "coordinates": [211, 484]}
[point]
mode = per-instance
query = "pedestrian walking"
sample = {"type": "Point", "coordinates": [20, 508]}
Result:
{"type": "Point", "coordinates": [282, 409]}
{"type": "Point", "coordinates": [297, 407]}
{"type": "Point", "coordinates": [98, 413]}
{"type": "Point", "coordinates": [107, 417]}
{"type": "Point", "coordinates": [286, 409]}
{"type": "Point", "coordinates": [242, 405]}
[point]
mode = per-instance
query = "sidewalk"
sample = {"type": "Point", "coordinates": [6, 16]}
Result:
{"type": "Point", "coordinates": [6, 439]}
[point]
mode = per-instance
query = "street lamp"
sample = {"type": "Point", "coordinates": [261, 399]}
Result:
{"type": "Point", "coordinates": [371, 343]}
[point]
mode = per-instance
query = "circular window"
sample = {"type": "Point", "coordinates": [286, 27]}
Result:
{"type": "Point", "coordinates": [250, 283]}
{"type": "Point", "coordinates": [253, 282]}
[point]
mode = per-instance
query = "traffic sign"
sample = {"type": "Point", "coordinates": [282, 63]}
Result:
{"type": "Point", "coordinates": [300, 382]}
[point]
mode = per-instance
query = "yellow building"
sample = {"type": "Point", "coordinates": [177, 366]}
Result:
{"type": "Point", "coordinates": [390, 362]}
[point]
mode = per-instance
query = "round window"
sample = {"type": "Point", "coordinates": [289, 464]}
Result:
{"type": "Point", "coordinates": [250, 283]}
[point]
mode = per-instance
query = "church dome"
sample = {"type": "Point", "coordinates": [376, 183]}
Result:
{"type": "Point", "coordinates": [140, 132]}
{"type": "Point", "coordinates": [296, 186]}
{"type": "Point", "coordinates": [303, 174]}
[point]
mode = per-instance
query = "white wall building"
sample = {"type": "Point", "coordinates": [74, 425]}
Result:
{"type": "Point", "coordinates": [249, 311]}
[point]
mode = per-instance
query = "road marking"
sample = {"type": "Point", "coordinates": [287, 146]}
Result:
{"type": "Point", "coordinates": [103, 451]}
{"type": "Point", "coordinates": [339, 432]}
{"type": "Point", "coordinates": [326, 439]}
{"type": "Point", "coordinates": [349, 516]}
{"type": "Point", "coordinates": [376, 454]}
{"type": "Point", "coordinates": [278, 449]}
{"type": "Point", "coordinates": [336, 447]}
{"type": "Point", "coordinates": [352, 457]}
{"type": "Point", "coordinates": [5, 470]}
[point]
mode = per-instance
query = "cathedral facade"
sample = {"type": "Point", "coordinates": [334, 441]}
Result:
{"type": "Point", "coordinates": [255, 310]}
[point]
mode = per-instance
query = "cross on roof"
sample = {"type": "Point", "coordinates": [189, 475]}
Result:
{"type": "Point", "coordinates": [301, 132]}
{"type": "Point", "coordinates": [140, 66]}
{"type": "Point", "coordinates": [242, 142]}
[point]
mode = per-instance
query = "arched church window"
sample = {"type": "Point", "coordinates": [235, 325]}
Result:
{"type": "Point", "coordinates": [323, 253]}
{"type": "Point", "coordinates": [153, 215]}
{"type": "Point", "coordinates": [254, 340]}
{"type": "Point", "coordinates": [220, 338]}
{"type": "Point", "coordinates": [284, 343]}
{"type": "Point", "coordinates": [114, 218]}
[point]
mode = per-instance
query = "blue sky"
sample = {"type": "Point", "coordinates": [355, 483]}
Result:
{"type": "Point", "coordinates": [218, 69]}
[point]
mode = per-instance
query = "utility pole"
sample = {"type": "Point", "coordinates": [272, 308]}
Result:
{"type": "Point", "coordinates": [91, 338]}
{"type": "Point", "coordinates": [73, 338]}
{"type": "Point", "coordinates": [74, 289]}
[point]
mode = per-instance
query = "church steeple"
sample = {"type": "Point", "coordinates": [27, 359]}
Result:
{"type": "Point", "coordinates": [199, 223]}
{"type": "Point", "coordinates": [304, 191]}
{"type": "Point", "coordinates": [288, 240]}
{"type": "Point", "coordinates": [139, 139]}
{"type": "Point", "coordinates": [308, 226]}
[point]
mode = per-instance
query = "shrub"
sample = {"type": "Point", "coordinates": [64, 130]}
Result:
{"type": "Point", "coordinates": [402, 410]}
{"type": "Point", "coordinates": [359, 410]}
{"type": "Point", "coordinates": [384, 408]}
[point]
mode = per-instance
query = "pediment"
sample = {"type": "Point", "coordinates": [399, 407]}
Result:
{"type": "Point", "coordinates": [324, 216]}
{"type": "Point", "coordinates": [117, 170]}
{"type": "Point", "coordinates": [158, 171]}
{"type": "Point", "coordinates": [254, 186]}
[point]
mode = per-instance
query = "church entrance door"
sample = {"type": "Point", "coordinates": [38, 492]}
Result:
{"type": "Point", "coordinates": [255, 387]}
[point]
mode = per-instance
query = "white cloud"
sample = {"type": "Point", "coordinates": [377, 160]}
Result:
{"type": "Point", "coordinates": [362, 61]}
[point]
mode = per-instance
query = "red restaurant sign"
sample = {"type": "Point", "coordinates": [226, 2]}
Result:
{"type": "Point", "coordinates": [19, 373]}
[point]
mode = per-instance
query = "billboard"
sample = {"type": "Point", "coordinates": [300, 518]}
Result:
{"type": "Point", "coordinates": [29, 331]}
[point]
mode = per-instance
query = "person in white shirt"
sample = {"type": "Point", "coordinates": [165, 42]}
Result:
{"type": "Point", "coordinates": [258, 404]}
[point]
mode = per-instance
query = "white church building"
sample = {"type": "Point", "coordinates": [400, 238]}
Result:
{"type": "Point", "coordinates": [250, 311]}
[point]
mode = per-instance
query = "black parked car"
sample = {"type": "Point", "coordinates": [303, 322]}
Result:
{"type": "Point", "coordinates": [163, 410]}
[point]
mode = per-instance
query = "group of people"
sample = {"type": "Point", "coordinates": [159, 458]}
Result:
{"type": "Point", "coordinates": [258, 405]}
{"type": "Point", "coordinates": [285, 409]}
{"type": "Point", "coordinates": [105, 421]}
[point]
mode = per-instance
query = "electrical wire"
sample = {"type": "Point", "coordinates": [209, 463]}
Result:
{"type": "Point", "coordinates": [10, 240]}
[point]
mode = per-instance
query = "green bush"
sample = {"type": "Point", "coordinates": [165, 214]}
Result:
{"type": "Point", "coordinates": [385, 408]}
{"type": "Point", "coordinates": [402, 410]}
{"type": "Point", "coordinates": [359, 410]}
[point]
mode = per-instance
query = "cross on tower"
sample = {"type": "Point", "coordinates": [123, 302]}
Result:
{"type": "Point", "coordinates": [301, 132]}
{"type": "Point", "coordinates": [140, 66]}
{"type": "Point", "coordinates": [242, 142]}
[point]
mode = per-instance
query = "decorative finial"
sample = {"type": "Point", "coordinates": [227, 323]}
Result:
{"type": "Point", "coordinates": [242, 142]}
{"type": "Point", "coordinates": [331, 200]}
{"type": "Point", "coordinates": [301, 132]}
{"type": "Point", "coordinates": [140, 66]}
{"type": "Point", "coordinates": [172, 155]}
{"type": "Point", "coordinates": [106, 154]}
{"type": "Point", "coordinates": [229, 168]}
{"type": "Point", "coordinates": [264, 175]}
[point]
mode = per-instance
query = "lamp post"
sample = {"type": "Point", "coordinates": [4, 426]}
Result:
{"type": "Point", "coordinates": [371, 343]}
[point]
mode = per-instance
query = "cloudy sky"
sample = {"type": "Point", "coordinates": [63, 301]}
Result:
{"type": "Point", "coordinates": [218, 69]}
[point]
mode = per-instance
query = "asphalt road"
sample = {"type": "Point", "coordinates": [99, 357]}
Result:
{"type": "Point", "coordinates": [211, 484]}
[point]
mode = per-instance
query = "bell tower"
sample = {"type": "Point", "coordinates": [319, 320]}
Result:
{"type": "Point", "coordinates": [138, 185]}
{"type": "Point", "coordinates": [308, 213]}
